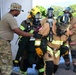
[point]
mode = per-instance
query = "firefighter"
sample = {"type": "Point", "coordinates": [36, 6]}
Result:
{"type": "Point", "coordinates": [26, 50]}
{"type": "Point", "coordinates": [49, 20]}
{"type": "Point", "coordinates": [66, 50]}
{"type": "Point", "coordinates": [48, 48]}
{"type": "Point", "coordinates": [73, 42]}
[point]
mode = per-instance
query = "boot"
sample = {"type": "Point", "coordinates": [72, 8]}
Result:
{"type": "Point", "coordinates": [67, 66]}
{"type": "Point", "coordinates": [74, 68]}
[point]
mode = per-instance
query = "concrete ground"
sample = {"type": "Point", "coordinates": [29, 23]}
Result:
{"type": "Point", "coordinates": [61, 70]}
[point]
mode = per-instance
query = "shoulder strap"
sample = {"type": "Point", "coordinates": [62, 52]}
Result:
{"type": "Point", "coordinates": [29, 21]}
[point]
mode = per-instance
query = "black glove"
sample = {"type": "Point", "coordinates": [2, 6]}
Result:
{"type": "Point", "coordinates": [36, 35]}
{"type": "Point", "coordinates": [43, 45]}
{"type": "Point", "coordinates": [63, 49]}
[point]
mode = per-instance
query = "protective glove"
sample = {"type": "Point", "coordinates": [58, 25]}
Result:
{"type": "Point", "coordinates": [36, 35]}
{"type": "Point", "coordinates": [39, 52]}
{"type": "Point", "coordinates": [64, 50]}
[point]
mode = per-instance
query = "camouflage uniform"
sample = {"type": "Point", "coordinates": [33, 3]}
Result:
{"type": "Point", "coordinates": [5, 57]}
{"type": "Point", "coordinates": [7, 25]}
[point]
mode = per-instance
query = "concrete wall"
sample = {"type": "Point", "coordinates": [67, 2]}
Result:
{"type": "Point", "coordinates": [0, 13]}
{"type": "Point", "coordinates": [26, 6]}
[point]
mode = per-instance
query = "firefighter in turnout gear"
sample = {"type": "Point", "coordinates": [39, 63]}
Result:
{"type": "Point", "coordinates": [59, 37]}
{"type": "Point", "coordinates": [66, 18]}
{"type": "Point", "coordinates": [41, 43]}
{"type": "Point", "coordinates": [48, 48]}
{"type": "Point", "coordinates": [26, 50]}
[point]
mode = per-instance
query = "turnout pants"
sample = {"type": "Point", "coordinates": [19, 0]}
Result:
{"type": "Point", "coordinates": [51, 59]}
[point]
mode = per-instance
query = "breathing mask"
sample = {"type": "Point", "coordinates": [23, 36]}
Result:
{"type": "Point", "coordinates": [36, 19]}
{"type": "Point", "coordinates": [50, 16]}
{"type": "Point", "coordinates": [50, 12]}
{"type": "Point", "coordinates": [62, 25]}
{"type": "Point", "coordinates": [66, 18]}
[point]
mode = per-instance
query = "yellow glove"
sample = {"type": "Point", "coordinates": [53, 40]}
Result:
{"type": "Point", "coordinates": [39, 52]}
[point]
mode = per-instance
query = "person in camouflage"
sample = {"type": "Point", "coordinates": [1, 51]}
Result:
{"type": "Point", "coordinates": [9, 26]}
{"type": "Point", "coordinates": [5, 57]}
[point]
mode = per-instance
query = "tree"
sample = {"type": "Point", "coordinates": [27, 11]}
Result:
{"type": "Point", "coordinates": [43, 11]}
{"type": "Point", "coordinates": [58, 10]}
{"type": "Point", "coordinates": [73, 9]}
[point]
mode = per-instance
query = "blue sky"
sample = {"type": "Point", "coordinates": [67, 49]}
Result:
{"type": "Point", "coordinates": [48, 3]}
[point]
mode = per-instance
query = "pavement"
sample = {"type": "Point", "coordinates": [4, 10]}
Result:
{"type": "Point", "coordinates": [61, 69]}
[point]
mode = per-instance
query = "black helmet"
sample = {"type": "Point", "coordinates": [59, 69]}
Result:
{"type": "Point", "coordinates": [50, 12]}
{"type": "Point", "coordinates": [61, 23]}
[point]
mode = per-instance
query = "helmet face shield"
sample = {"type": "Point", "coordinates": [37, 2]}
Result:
{"type": "Point", "coordinates": [66, 18]}
{"type": "Point", "coordinates": [63, 23]}
{"type": "Point", "coordinates": [50, 13]}
{"type": "Point", "coordinates": [38, 16]}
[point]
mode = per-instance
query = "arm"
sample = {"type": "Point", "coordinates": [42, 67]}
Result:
{"type": "Point", "coordinates": [22, 33]}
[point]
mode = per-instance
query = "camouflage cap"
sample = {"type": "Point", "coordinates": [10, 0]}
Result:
{"type": "Point", "coordinates": [16, 6]}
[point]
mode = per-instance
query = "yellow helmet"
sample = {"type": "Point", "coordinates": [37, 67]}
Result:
{"type": "Point", "coordinates": [35, 10]}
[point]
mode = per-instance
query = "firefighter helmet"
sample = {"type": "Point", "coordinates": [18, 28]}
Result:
{"type": "Point", "coordinates": [68, 9]}
{"type": "Point", "coordinates": [50, 12]}
{"type": "Point", "coordinates": [61, 24]}
{"type": "Point", "coordinates": [34, 11]}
